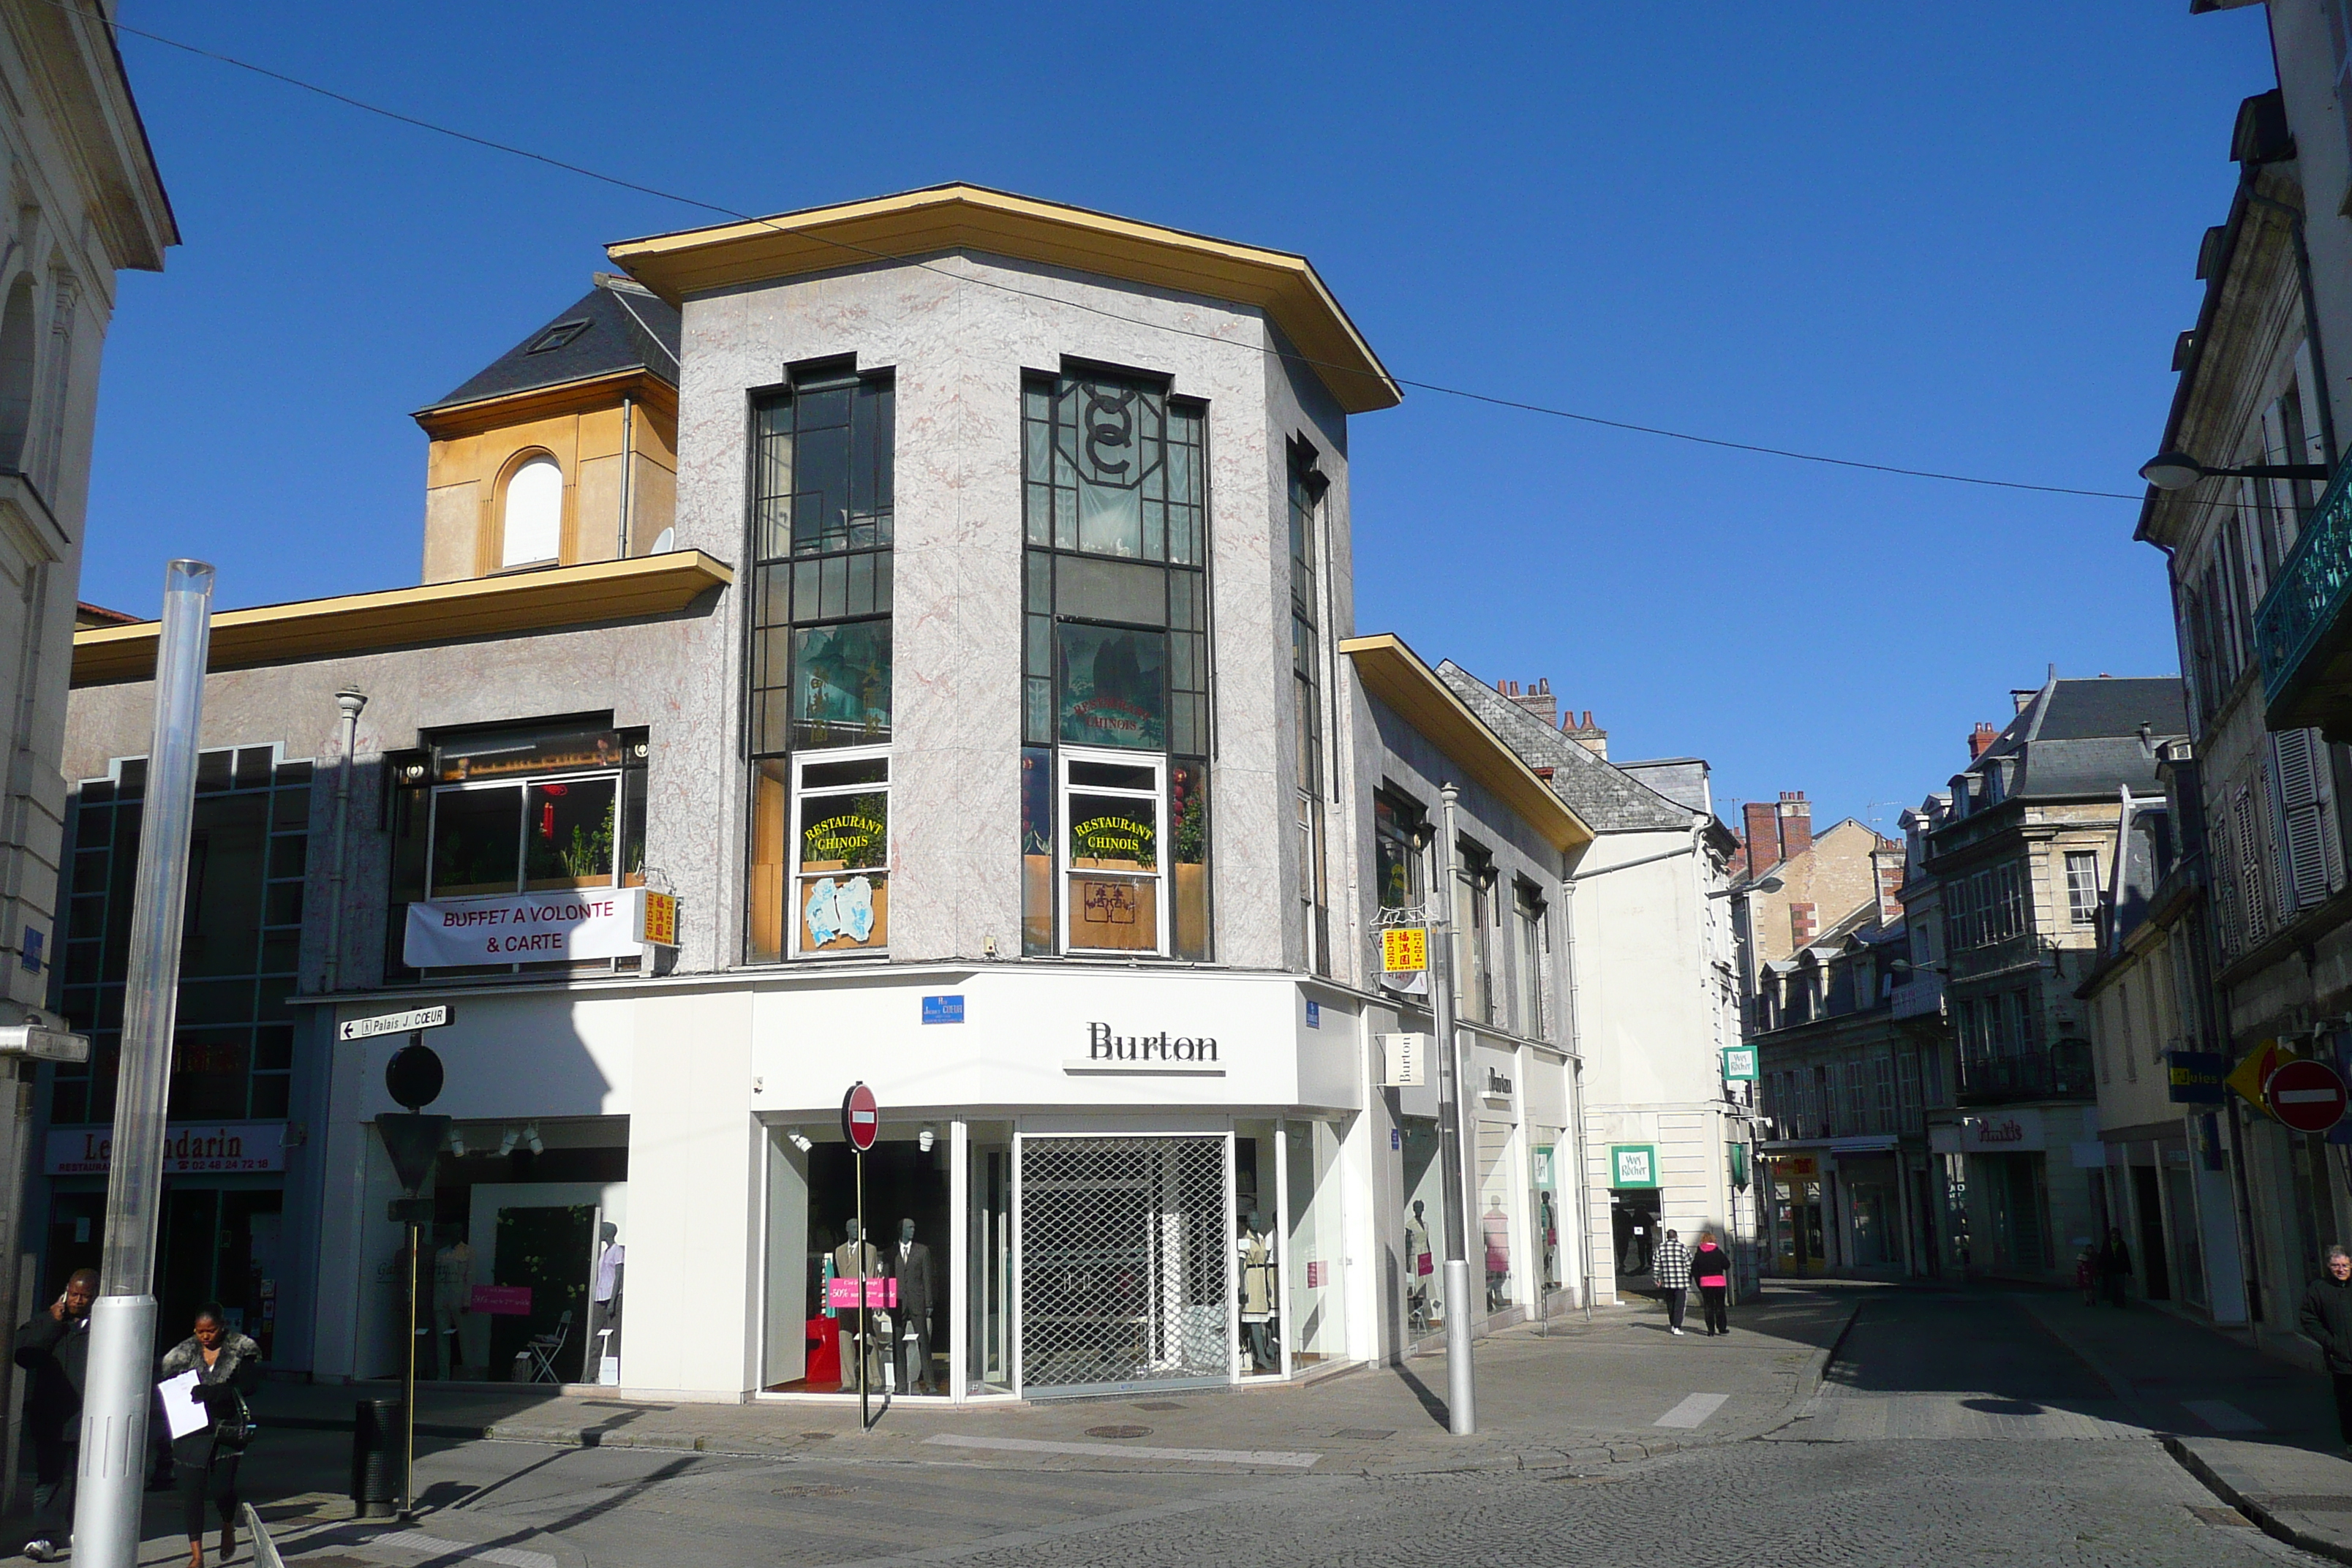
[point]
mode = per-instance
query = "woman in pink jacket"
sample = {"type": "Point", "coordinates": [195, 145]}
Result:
{"type": "Point", "coordinates": [1710, 1267]}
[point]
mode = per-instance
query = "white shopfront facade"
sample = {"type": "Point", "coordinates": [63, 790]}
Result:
{"type": "Point", "coordinates": [1079, 1149]}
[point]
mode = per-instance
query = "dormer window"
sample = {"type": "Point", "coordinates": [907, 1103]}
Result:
{"type": "Point", "coordinates": [531, 531]}
{"type": "Point", "coordinates": [556, 336]}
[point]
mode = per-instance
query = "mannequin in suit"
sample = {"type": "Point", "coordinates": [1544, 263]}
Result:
{"type": "Point", "coordinates": [909, 1263]}
{"type": "Point", "coordinates": [858, 1258]}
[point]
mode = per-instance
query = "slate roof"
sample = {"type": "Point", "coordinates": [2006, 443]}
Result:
{"type": "Point", "coordinates": [1608, 799]}
{"type": "Point", "coordinates": [621, 328]}
{"type": "Point", "coordinates": [2082, 738]}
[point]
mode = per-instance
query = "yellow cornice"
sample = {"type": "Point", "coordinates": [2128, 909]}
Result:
{"type": "Point", "coordinates": [448, 419]}
{"type": "Point", "coordinates": [600, 591]}
{"type": "Point", "coordinates": [1396, 674]}
{"type": "Point", "coordinates": [969, 217]}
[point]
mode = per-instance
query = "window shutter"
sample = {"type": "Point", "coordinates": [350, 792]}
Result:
{"type": "Point", "coordinates": [2250, 870]}
{"type": "Point", "coordinates": [2331, 823]}
{"type": "Point", "coordinates": [2302, 816]}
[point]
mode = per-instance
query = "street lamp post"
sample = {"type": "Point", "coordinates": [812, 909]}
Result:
{"type": "Point", "coordinates": [1461, 1388]}
{"type": "Point", "coordinates": [118, 1392]}
{"type": "Point", "coordinates": [2178, 471]}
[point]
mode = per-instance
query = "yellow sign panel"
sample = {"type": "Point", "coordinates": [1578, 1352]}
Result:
{"type": "Point", "coordinates": [661, 919]}
{"type": "Point", "coordinates": [1405, 950]}
{"type": "Point", "coordinates": [2249, 1076]}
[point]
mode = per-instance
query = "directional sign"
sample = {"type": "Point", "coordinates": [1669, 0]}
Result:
{"type": "Point", "coordinates": [861, 1118]}
{"type": "Point", "coordinates": [406, 1023]}
{"type": "Point", "coordinates": [2307, 1096]}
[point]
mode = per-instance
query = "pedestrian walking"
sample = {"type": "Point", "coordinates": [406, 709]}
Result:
{"type": "Point", "coordinates": [54, 1346]}
{"type": "Point", "coordinates": [2115, 1266]}
{"type": "Point", "coordinates": [1711, 1267]}
{"type": "Point", "coordinates": [2326, 1321]}
{"type": "Point", "coordinates": [204, 1462]}
{"type": "Point", "coordinates": [1670, 1267]}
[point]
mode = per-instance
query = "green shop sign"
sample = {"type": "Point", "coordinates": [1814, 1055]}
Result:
{"type": "Point", "coordinates": [1633, 1164]}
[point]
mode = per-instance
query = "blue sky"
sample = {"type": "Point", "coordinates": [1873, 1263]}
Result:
{"type": "Point", "coordinates": [1957, 238]}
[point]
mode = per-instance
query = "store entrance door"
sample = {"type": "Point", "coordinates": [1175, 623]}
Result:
{"type": "Point", "coordinates": [1796, 1225]}
{"type": "Point", "coordinates": [1125, 1247]}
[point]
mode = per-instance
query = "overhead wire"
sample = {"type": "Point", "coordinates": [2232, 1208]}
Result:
{"type": "Point", "coordinates": [1492, 400]}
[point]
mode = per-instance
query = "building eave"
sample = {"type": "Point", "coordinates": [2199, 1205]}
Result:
{"type": "Point", "coordinates": [559, 596]}
{"type": "Point", "coordinates": [1392, 673]}
{"type": "Point", "coordinates": [447, 420]}
{"type": "Point", "coordinates": [951, 217]}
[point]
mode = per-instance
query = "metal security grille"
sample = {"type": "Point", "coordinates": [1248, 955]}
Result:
{"type": "Point", "coordinates": [1124, 1267]}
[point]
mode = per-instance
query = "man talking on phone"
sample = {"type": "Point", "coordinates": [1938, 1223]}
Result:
{"type": "Point", "coordinates": [54, 1346]}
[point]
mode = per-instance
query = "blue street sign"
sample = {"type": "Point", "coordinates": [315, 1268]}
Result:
{"type": "Point", "coordinates": [1315, 1014]}
{"type": "Point", "coordinates": [943, 1009]}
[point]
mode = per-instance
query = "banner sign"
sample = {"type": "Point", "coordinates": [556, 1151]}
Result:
{"type": "Point", "coordinates": [534, 928]}
{"type": "Point", "coordinates": [1405, 950]}
{"type": "Point", "coordinates": [501, 1300]}
{"type": "Point", "coordinates": [2195, 1077]}
{"type": "Point", "coordinates": [190, 1148]}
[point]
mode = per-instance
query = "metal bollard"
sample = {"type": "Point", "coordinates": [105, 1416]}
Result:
{"type": "Point", "coordinates": [378, 1453]}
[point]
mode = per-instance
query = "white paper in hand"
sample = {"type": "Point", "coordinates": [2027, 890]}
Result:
{"type": "Point", "coordinates": [181, 1411]}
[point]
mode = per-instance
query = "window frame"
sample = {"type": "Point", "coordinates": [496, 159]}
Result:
{"type": "Point", "coordinates": [523, 783]}
{"type": "Point", "coordinates": [521, 463]}
{"type": "Point", "coordinates": [795, 876]}
{"type": "Point", "coordinates": [1161, 876]}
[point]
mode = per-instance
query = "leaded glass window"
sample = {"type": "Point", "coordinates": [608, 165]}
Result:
{"type": "Point", "coordinates": [820, 666]}
{"type": "Point", "coordinates": [1115, 652]}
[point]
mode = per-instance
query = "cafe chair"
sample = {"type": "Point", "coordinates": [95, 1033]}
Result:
{"type": "Point", "coordinates": [544, 1348]}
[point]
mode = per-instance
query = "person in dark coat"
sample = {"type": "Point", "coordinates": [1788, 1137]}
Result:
{"type": "Point", "coordinates": [2326, 1321]}
{"type": "Point", "coordinates": [204, 1462]}
{"type": "Point", "coordinates": [1710, 1266]}
{"type": "Point", "coordinates": [2115, 1266]}
{"type": "Point", "coordinates": [54, 1346]}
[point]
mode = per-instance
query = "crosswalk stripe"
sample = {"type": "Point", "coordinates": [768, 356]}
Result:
{"type": "Point", "coordinates": [1693, 1411]}
{"type": "Point", "coordinates": [2222, 1416]}
{"type": "Point", "coordinates": [1129, 1450]}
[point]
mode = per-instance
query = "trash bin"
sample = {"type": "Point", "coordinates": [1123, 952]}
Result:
{"type": "Point", "coordinates": [379, 1456]}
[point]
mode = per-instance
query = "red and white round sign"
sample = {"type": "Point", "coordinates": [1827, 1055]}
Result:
{"type": "Point", "coordinates": [861, 1118]}
{"type": "Point", "coordinates": [2307, 1096]}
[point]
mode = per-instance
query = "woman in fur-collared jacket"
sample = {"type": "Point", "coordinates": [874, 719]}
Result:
{"type": "Point", "coordinates": [204, 1462]}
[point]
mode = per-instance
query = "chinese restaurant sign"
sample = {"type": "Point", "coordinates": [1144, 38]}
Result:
{"type": "Point", "coordinates": [530, 928]}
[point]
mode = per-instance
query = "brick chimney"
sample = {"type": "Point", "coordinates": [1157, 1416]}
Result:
{"type": "Point", "coordinates": [1536, 699]}
{"type": "Point", "coordinates": [1588, 735]}
{"type": "Point", "coordinates": [1760, 837]}
{"type": "Point", "coordinates": [1980, 740]}
{"type": "Point", "coordinates": [1796, 824]}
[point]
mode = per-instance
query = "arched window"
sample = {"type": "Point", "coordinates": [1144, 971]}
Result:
{"type": "Point", "coordinates": [533, 530]}
{"type": "Point", "coordinates": [16, 374]}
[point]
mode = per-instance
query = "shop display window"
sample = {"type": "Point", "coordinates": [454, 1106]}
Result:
{"type": "Point", "coordinates": [1493, 1230]}
{"type": "Point", "coordinates": [1424, 1227]}
{"type": "Point", "coordinates": [815, 1259]}
{"type": "Point", "coordinates": [1317, 1295]}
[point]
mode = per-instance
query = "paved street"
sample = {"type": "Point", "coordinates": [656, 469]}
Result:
{"type": "Point", "coordinates": [1906, 1452]}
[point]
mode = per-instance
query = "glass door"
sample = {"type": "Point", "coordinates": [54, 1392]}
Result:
{"type": "Point", "coordinates": [987, 1221]}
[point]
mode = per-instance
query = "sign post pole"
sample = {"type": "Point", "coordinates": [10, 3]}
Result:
{"type": "Point", "coordinates": [861, 1121]}
{"type": "Point", "coordinates": [1461, 1388]}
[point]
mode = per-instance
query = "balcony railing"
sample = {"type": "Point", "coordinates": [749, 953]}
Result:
{"type": "Point", "coordinates": [2307, 596]}
{"type": "Point", "coordinates": [2061, 1072]}
{"type": "Point", "coordinates": [1920, 995]}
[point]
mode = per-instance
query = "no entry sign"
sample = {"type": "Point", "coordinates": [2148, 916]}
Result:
{"type": "Point", "coordinates": [861, 1118]}
{"type": "Point", "coordinates": [2307, 1096]}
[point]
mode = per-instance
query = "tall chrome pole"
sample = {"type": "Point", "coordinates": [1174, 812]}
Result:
{"type": "Point", "coordinates": [1461, 1393]}
{"type": "Point", "coordinates": [118, 1394]}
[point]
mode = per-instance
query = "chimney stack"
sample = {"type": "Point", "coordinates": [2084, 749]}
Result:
{"type": "Point", "coordinates": [1796, 824]}
{"type": "Point", "coordinates": [1536, 699]}
{"type": "Point", "coordinates": [1588, 735]}
{"type": "Point", "coordinates": [1760, 840]}
{"type": "Point", "coordinates": [1980, 740]}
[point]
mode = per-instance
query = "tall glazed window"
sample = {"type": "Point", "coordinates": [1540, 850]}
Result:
{"type": "Point", "coordinates": [1115, 833]}
{"type": "Point", "coordinates": [820, 666]}
{"type": "Point", "coordinates": [1307, 487]}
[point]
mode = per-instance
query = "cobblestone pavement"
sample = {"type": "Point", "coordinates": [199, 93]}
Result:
{"type": "Point", "coordinates": [1892, 1469]}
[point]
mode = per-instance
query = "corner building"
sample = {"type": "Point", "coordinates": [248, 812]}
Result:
{"type": "Point", "coordinates": [981, 700]}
